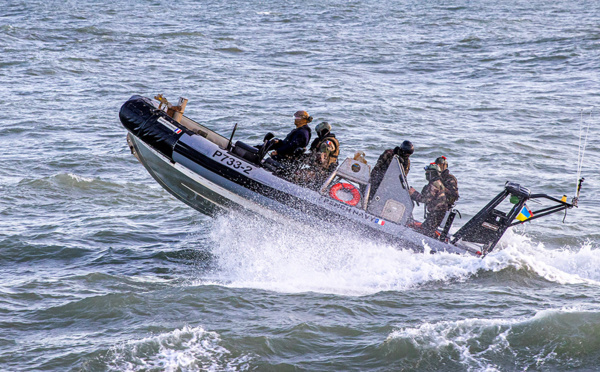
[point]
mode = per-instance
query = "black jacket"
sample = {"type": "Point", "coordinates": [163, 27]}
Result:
{"type": "Point", "coordinates": [297, 138]}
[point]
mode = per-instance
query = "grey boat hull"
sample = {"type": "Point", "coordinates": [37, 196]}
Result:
{"type": "Point", "coordinates": [210, 174]}
{"type": "Point", "coordinates": [211, 194]}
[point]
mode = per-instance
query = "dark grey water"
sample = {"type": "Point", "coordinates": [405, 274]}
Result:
{"type": "Point", "coordinates": [103, 270]}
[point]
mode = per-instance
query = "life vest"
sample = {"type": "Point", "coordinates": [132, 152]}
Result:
{"type": "Point", "coordinates": [333, 156]}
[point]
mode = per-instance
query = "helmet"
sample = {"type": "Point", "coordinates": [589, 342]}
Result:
{"type": "Point", "coordinates": [407, 148]}
{"type": "Point", "coordinates": [302, 115]}
{"type": "Point", "coordinates": [432, 170]}
{"type": "Point", "coordinates": [441, 160]}
{"type": "Point", "coordinates": [323, 128]}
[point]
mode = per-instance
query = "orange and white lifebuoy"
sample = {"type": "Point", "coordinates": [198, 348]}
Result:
{"type": "Point", "coordinates": [347, 187]}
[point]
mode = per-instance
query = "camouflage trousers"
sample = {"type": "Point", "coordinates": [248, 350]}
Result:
{"type": "Point", "coordinates": [432, 221]}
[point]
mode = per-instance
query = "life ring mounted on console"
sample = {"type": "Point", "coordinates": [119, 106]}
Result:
{"type": "Point", "coordinates": [347, 187]}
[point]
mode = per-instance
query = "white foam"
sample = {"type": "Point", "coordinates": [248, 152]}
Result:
{"type": "Point", "coordinates": [258, 254]}
{"type": "Point", "coordinates": [476, 340]}
{"type": "Point", "coordinates": [563, 266]}
{"type": "Point", "coordinates": [444, 336]}
{"type": "Point", "coordinates": [149, 279]}
{"type": "Point", "coordinates": [189, 349]}
{"type": "Point", "coordinates": [78, 178]}
{"type": "Point", "coordinates": [254, 253]}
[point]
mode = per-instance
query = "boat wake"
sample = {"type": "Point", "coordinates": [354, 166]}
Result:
{"type": "Point", "coordinates": [252, 253]}
{"type": "Point", "coordinates": [555, 338]}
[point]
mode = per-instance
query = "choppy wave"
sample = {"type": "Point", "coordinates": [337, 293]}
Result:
{"type": "Point", "coordinates": [67, 181]}
{"type": "Point", "coordinates": [563, 266]}
{"type": "Point", "coordinates": [92, 249]}
{"type": "Point", "coordinates": [554, 338]}
{"type": "Point", "coordinates": [258, 254]}
{"type": "Point", "coordinates": [185, 349]}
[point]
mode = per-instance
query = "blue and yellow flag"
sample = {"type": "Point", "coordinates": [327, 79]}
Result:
{"type": "Point", "coordinates": [525, 214]}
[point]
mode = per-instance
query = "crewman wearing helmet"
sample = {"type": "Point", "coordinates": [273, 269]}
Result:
{"type": "Point", "coordinates": [325, 149]}
{"type": "Point", "coordinates": [404, 151]}
{"type": "Point", "coordinates": [433, 196]}
{"type": "Point", "coordinates": [322, 159]}
{"type": "Point", "coordinates": [449, 181]}
{"type": "Point", "coordinates": [292, 147]}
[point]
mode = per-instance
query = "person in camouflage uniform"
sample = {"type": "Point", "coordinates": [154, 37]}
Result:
{"type": "Point", "coordinates": [449, 181]}
{"type": "Point", "coordinates": [322, 158]}
{"type": "Point", "coordinates": [325, 149]}
{"type": "Point", "coordinates": [404, 151]}
{"type": "Point", "coordinates": [434, 197]}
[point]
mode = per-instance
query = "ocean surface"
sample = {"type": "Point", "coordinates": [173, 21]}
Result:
{"type": "Point", "coordinates": [103, 270]}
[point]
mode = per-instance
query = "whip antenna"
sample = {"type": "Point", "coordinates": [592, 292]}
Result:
{"type": "Point", "coordinates": [581, 153]}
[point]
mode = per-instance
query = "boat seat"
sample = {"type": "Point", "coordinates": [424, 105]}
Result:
{"type": "Point", "coordinates": [246, 147]}
{"type": "Point", "coordinates": [246, 151]}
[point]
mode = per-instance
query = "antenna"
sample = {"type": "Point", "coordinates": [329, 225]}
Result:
{"type": "Point", "coordinates": [231, 138]}
{"type": "Point", "coordinates": [582, 149]}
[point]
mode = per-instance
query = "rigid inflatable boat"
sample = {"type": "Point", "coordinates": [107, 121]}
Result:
{"type": "Point", "coordinates": [211, 174]}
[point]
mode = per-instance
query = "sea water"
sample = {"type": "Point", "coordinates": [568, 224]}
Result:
{"type": "Point", "coordinates": [102, 269]}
